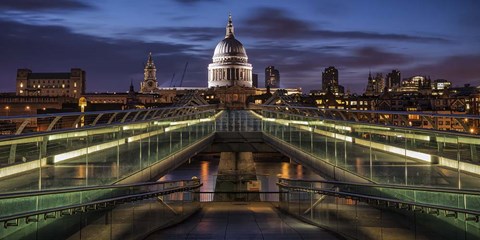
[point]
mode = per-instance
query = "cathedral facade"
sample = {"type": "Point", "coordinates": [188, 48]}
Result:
{"type": "Point", "coordinates": [230, 65]}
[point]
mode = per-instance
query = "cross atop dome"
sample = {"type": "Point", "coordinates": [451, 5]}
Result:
{"type": "Point", "coordinates": [229, 30]}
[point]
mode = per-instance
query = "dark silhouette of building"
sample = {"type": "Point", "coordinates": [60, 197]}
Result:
{"type": "Point", "coordinates": [255, 80]}
{"type": "Point", "coordinates": [330, 81]}
{"type": "Point", "coordinates": [393, 80]}
{"type": "Point", "coordinates": [272, 77]}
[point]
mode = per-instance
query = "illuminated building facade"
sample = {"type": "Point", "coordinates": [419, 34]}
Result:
{"type": "Point", "coordinates": [375, 85]}
{"type": "Point", "coordinates": [416, 83]}
{"type": "Point", "coordinates": [441, 84]}
{"type": "Point", "coordinates": [230, 65]}
{"type": "Point", "coordinates": [70, 84]}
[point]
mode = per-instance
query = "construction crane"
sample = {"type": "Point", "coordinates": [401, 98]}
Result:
{"type": "Point", "coordinates": [171, 81]}
{"type": "Point", "coordinates": [183, 75]}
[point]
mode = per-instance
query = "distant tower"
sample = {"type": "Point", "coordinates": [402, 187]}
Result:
{"type": "Point", "coordinates": [272, 77]}
{"type": "Point", "coordinates": [375, 86]}
{"type": "Point", "coordinates": [330, 81]}
{"type": "Point", "coordinates": [393, 80]}
{"type": "Point", "coordinates": [149, 83]}
{"type": "Point", "coordinates": [254, 80]}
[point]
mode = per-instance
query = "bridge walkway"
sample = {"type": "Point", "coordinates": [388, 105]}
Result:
{"type": "Point", "coordinates": [243, 220]}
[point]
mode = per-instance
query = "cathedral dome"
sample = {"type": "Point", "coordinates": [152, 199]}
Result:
{"type": "Point", "coordinates": [229, 47]}
{"type": "Point", "coordinates": [230, 65]}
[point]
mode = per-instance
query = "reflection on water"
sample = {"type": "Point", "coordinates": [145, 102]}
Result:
{"type": "Point", "coordinates": [206, 171]}
{"type": "Point", "coordinates": [267, 173]}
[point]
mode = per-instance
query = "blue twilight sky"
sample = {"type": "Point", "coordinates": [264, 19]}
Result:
{"type": "Point", "coordinates": [110, 39]}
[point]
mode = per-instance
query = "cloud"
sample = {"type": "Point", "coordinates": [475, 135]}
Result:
{"type": "Point", "coordinates": [109, 63]}
{"type": "Point", "coordinates": [40, 5]}
{"type": "Point", "coordinates": [302, 66]}
{"type": "Point", "coordinates": [278, 23]}
{"type": "Point", "coordinates": [184, 33]}
{"type": "Point", "coordinates": [459, 69]}
{"type": "Point", "coordinates": [194, 2]}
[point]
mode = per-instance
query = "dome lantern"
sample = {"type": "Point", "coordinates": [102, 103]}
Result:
{"type": "Point", "coordinates": [229, 29]}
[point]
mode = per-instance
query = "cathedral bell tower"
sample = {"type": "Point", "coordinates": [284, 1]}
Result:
{"type": "Point", "coordinates": [149, 83]}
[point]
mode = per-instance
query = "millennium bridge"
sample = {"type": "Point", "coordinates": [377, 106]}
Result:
{"type": "Point", "coordinates": [98, 175]}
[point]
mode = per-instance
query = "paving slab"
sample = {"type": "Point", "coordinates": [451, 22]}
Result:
{"type": "Point", "coordinates": [231, 220]}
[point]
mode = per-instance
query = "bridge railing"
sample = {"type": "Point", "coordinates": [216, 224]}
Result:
{"type": "Point", "coordinates": [128, 211]}
{"type": "Point", "coordinates": [433, 120]}
{"type": "Point", "coordinates": [28, 124]}
{"type": "Point", "coordinates": [378, 211]}
{"type": "Point", "coordinates": [381, 153]}
{"type": "Point", "coordinates": [238, 121]}
{"type": "Point", "coordinates": [99, 153]}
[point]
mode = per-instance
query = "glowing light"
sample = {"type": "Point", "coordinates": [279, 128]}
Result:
{"type": "Point", "coordinates": [400, 151]}
{"type": "Point", "coordinates": [83, 151]}
{"type": "Point", "coordinates": [300, 122]}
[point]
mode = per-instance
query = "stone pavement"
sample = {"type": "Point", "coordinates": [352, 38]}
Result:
{"type": "Point", "coordinates": [242, 220]}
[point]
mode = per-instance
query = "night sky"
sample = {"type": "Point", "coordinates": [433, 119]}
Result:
{"type": "Point", "coordinates": [110, 39]}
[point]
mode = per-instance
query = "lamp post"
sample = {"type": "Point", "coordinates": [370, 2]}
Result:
{"type": "Point", "coordinates": [7, 110]}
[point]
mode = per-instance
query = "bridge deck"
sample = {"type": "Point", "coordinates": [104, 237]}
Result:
{"type": "Point", "coordinates": [232, 220]}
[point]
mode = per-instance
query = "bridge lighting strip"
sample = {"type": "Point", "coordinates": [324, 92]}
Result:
{"type": "Point", "coordinates": [79, 152]}
{"type": "Point", "coordinates": [136, 126]}
{"type": "Point", "coordinates": [464, 166]}
{"type": "Point", "coordinates": [333, 135]}
{"type": "Point", "coordinates": [103, 146]}
{"type": "Point", "coordinates": [400, 151]}
{"type": "Point", "coordinates": [23, 167]}
{"type": "Point", "coordinates": [305, 123]}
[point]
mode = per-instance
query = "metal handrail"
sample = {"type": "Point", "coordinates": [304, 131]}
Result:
{"type": "Point", "coordinates": [391, 186]}
{"type": "Point", "coordinates": [80, 189]}
{"type": "Point", "coordinates": [407, 128]}
{"type": "Point", "coordinates": [115, 200]}
{"type": "Point", "coordinates": [397, 202]}
{"type": "Point", "coordinates": [164, 111]}
{"type": "Point", "coordinates": [469, 116]}
{"type": "Point", "coordinates": [67, 114]}
{"type": "Point", "coordinates": [86, 127]}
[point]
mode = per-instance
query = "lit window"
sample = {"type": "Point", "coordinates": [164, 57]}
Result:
{"type": "Point", "coordinates": [75, 84]}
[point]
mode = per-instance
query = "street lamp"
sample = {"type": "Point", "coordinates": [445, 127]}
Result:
{"type": "Point", "coordinates": [7, 109]}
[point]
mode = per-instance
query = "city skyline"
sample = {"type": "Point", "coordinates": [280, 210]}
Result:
{"type": "Point", "coordinates": [111, 40]}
